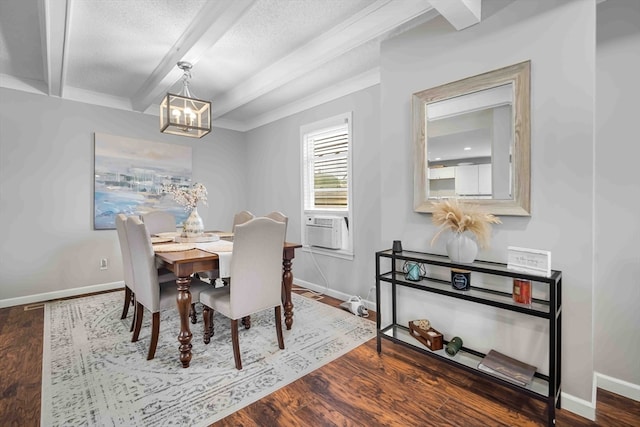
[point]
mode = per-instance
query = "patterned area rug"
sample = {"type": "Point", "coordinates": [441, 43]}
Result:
{"type": "Point", "coordinates": [94, 375]}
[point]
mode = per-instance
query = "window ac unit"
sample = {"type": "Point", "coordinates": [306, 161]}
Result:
{"type": "Point", "coordinates": [324, 231]}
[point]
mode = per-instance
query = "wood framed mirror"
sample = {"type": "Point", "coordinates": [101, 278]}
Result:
{"type": "Point", "coordinates": [472, 141]}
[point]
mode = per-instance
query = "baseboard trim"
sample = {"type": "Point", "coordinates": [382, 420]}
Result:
{"type": "Point", "coordinates": [48, 296]}
{"type": "Point", "coordinates": [371, 305]}
{"type": "Point", "coordinates": [621, 387]}
{"type": "Point", "coordinates": [578, 406]}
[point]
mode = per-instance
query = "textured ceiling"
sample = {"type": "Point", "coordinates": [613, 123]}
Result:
{"type": "Point", "coordinates": [114, 45]}
{"type": "Point", "coordinates": [256, 60]}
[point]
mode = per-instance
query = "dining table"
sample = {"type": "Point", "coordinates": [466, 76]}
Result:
{"type": "Point", "coordinates": [185, 263]}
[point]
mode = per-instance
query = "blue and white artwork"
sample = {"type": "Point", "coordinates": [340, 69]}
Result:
{"type": "Point", "coordinates": [129, 173]}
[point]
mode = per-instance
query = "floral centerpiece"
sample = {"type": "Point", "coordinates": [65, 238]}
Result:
{"type": "Point", "coordinates": [189, 198]}
{"type": "Point", "coordinates": [460, 217]}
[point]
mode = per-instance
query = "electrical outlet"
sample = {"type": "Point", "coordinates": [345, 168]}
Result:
{"type": "Point", "coordinates": [104, 264]}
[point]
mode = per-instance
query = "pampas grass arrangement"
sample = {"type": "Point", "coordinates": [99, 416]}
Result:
{"type": "Point", "coordinates": [458, 217]}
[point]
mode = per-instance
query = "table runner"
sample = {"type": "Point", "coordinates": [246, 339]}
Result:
{"type": "Point", "coordinates": [173, 247]}
{"type": "Point", "coordinates": [223, 249]}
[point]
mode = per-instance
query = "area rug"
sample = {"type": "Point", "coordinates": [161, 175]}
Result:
{"type": "Point", "coordinates": [94, 375]}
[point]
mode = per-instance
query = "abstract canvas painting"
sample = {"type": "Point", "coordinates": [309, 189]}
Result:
{"type": "Point", "coordinates": [129, 174]}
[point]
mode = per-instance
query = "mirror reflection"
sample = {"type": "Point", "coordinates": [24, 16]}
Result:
{"type": "Point", "coordinates": [469, 145]}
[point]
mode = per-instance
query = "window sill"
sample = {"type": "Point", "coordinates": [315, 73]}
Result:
{"type": "Point", "coordinates": [336, 253]}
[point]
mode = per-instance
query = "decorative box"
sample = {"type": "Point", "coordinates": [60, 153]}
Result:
{"type": "Point", "coordinates": [427, 336]}
{"type": "Point", "coordinates": [522, 291]}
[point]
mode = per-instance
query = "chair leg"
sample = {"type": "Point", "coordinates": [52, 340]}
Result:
{"type": "Point", "coordinates": [127, 302]}
{"type": "Point", "coordinates": [192, 313]}
{"type": "Point", "coordinates": [236, 343]}
{"type": "Point", "coordinates": [246, 321]}
{"type": "Point", "coordinates": [135, 310]}
{"type": "Point", "coordinates": [279, 327]}
{"type": "Point", "coordinates": [207, 316]}
{"type": "Point", "coordinates": [138, 316]}
{"type": "Point", "coordinates": [155, 331]}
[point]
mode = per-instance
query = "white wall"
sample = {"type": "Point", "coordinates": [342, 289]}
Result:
{"type": "Point", "coordinates": [617, 201]}
{"type": "Point", "coordinates": [46, 190]}
{"type": "Point", "coordinates": [274, 183]}
{"type": "Point", "coordinates": [558, 37]}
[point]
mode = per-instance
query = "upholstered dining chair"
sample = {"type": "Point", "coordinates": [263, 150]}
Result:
{"type": "Point", "coordinates": [256, 269]}
{"type": "Point", "coordinates": [159, 222]}
{"type": "Point", "coordinates": [164, 275]}
{"type": "Point", "coordinates": [150, 292]}
{"type": "Point", "coordinates": [129, 292]}
{"type": "Point", "coordinates": [239, 218]}
{"type": "Point", "coordinates": [280, 217]}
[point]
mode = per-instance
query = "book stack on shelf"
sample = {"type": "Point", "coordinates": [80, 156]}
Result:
{"type": "Point", "coordinates": [507, 368]}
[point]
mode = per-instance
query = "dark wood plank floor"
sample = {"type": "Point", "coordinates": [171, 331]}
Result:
{"type": "Point", "coordinates": [397, 388]}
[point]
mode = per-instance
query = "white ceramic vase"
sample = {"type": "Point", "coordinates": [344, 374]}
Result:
{"type": "Point", "coordinates": [193, 225]}
{"type": "Point", "coordinates": [462, 248]}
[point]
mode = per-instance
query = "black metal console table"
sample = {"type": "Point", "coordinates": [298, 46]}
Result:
{"type": "Point", "coordinates": [543, 387]}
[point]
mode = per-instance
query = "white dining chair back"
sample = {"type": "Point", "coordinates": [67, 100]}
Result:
{"type": "Point", "coordinates": [240, 218]}
{"type": "Point", "coordinates": [256, 272]}
{"type": "Point", "coordinates": [280, 217]}
{"type": "Point", "coordinates": [126, 263]}
{"type": "Point", "coordinates": [143, 265]}
{"type": "Point", "coordinates": [124, 250]}
{"type": "Point", "coordinates": [256, 267]}
{"type": "Point", "coordinates": [159, 222]}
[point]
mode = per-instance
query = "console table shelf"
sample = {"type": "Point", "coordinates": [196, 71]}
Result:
{"type": "Point", "coordinates": [543, 387]}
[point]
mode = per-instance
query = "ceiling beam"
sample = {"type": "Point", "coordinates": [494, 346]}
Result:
{"type": "Point", "coordinates": [55, 22]}
{"type": "Point", "coordinates": [211, 23]}
{"type": "Point", "coordinates": [460, 13]}
{"type": "Point", "coordinates": [353, 84]}
{"type": "Point", "coordinates": [372, 22]}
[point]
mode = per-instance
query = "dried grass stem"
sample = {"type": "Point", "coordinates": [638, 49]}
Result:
{"type": "Point", "coordinates": [458, 217]}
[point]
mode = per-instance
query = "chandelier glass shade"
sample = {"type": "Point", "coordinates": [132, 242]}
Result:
{"type": "Point", "coordinates": [182, 114]}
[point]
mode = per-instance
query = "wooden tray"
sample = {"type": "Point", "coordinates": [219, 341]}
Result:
{"type": "Point", "coordinates": [429, 337]}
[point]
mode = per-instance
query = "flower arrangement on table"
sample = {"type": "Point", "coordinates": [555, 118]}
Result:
{"type": "Point", "coordinates": [187, 197]}
{"type": "Point", "coordinates": [458, 217]}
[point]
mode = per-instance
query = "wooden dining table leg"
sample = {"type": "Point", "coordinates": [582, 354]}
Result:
{"type": "Point", "coordinates": [287, 284]}
{"type": "Point", "coordinates": [184, 303]}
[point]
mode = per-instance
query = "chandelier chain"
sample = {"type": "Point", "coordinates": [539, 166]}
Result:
{"type": "Point", "coordinates": [185, 83]}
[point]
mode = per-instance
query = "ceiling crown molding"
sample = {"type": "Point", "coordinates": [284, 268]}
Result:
{"type": "Point", "coordinates": [25, 85]}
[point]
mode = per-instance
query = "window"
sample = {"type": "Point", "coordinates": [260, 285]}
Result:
{"type": "Point", "coordinates": [326, 181]}
{"type": "Point", "coordinates": [327, 172]}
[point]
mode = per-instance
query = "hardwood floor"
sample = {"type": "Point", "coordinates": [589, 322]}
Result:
{"type": "Point", "coordinates": [21, 376]}
{"type": "Point", "coordinates": [397, 388]}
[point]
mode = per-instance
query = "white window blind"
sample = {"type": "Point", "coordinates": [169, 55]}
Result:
{"type": "Point", "coordinates": [327, 168]}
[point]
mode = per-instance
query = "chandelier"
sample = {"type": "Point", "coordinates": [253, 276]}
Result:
{"type": "Point", "coordinates": [182, 114]}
